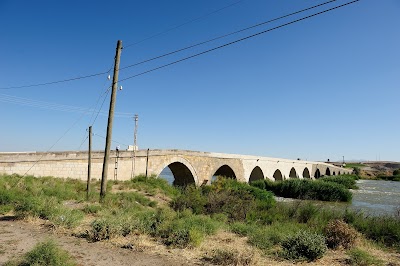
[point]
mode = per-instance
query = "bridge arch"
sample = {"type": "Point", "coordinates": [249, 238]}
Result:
{"type": "Point", "coordinates": [328, 171]}
{"type": "Point", "coordinates": [226, 171]}
{"type": "Point", "coordinates": [256, 174]}
{"type": "Point", "coordinates": [183, 172]}
{"type": "Point", "coordinates": [306, 173]}
{"type": "Point", "coordinates": [278, 175]}
{"type": "Point", "coordinates": [293, 173]}
{"type": "Point", "coordinates": [317, 173]}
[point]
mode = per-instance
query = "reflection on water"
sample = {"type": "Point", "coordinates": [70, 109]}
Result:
{"type": "Point", "coordinates": [374, 197]}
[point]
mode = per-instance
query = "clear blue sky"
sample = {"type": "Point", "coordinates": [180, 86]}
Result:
{"type": "Point", "coordinates": [322, 88]}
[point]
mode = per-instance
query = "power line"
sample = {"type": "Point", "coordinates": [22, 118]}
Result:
{"type": "Point", "coordinates": [52, 106]}
{"type": "Point", "coordinates": [111, 140]}
{"type": "Point", "coordinates": [105, 97]}
{"type": "Point", "coordinates": [82, 143]}
{"type": "Point", "coordinates": [236, 41]}
{"type": "Point", "coordinates": [55, 82]}
{"type": "Point", "coordinates": [51, 147]}
{"type": "Point", "coordinates": [226, 35]}
{"type": "Point", "coordinates": [183, 24]}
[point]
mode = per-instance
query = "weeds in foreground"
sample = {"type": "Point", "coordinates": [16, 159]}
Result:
{"type": "Point", "coordinates": [195, 213]}
{"type": "Point", "coordinates": [304, 246]}
{"type": "Point", "coordinates": [360, 257]}
{"type": "Point", "coordinates": [340, 234]}
{"type": "Point", "coordinates": [228, 257]}
{"type": "Point", "coordinates": [45, 254]}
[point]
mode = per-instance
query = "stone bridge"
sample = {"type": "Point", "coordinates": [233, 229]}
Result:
{"type": "Point", "coordinates": [186, 166]}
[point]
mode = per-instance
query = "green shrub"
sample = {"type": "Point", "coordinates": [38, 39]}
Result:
{"type": "Point", "coordinates": [304, 246]}
{"type": "Point", "coordinates": [361, 258]}
{"type": "Point", "coordinates": [185, 231]}
{"type": "Point", "coordinates": [388, 177]}
{"type": "Point", "coordinates": [240, 228]}
{"type": "Point", "coordinates": [122, 223]}
{"type": "Point", "coordinates": [306, 212]}
{"type": "Point", "coordinates": [45, 254]}
{"type": "Point", "coordinates": [396, 172]}
{"type": "Point", "coordinates": [348, 181]}
{"type": "Point", "coordinates": [264, 237]}
{"type": "Point", "coordinates": [339, 233]}
{"type": "Point", "coordinates": [190, 198]}
{"type": "Point", "coordinates": [237, 201]}
{"type": "Point", "coordinates": [152, 185]}
{"type": "Point", "coordinates": [309, 189]}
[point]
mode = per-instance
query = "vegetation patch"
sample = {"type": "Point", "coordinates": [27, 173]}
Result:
{"type": "Point", "coordinates": [304, 246]}
{"type": "Point", "coordinates": [228, 257]}
{"type": "Point", "coordinates": [348, 181]}
{"type": "Point", "coordinates": [238, 201]}
{"type": "Point", "coordinates": [47, 254]}
{"type": "Point", "coordinates": [340, 234]}
{"type": "Point", "coordinates": [307, 189]}
{"type": "Point", "coordinates": [360, 257]}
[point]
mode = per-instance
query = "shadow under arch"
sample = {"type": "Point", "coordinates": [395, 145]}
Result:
{"type": "Point", "coordinates": [328, 172]}
{"type": "Point", "coordinates": [317, 174]}
{"type": "Point", "coordinates": [306, 173]}
{"type": "Point", "coordinates": [333, 173]}
{"type": "Point", "coordinates": [181, 173]}
{"type": "Point", "coordinates": [256, 174]}
{"type": "Point", "coordinates": [225, 171]}
{"type": "Point", "coordinates": [278, 175]}
{"type": "Point", "coordinates": [292, 173]}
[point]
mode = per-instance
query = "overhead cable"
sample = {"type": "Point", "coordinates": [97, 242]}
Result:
{"type": "Point", "coordinates": [226, 35]}
{"type": "Point", "coordinates": [239, 40]}
{"type": "Point", "coordinates": [183, 24]}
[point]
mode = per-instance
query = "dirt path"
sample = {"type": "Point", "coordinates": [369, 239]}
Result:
{"type": "Point", "coordinates": [18, 237]}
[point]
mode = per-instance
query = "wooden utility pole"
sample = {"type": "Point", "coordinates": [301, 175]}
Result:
{"type": "Point", "coordinates": [110, 122]}
{"type": "Point", "coordinates": [147, 161]}
{"type": "Point", "coordinates": [89, 164]}
{"type": "Point", "coordinates": [136, 117]}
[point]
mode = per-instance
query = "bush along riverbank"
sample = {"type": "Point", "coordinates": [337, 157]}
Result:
{"type": "Point", "coordinates": [332, 188]}
{"type": "Point", "coordinates": [184, 218]}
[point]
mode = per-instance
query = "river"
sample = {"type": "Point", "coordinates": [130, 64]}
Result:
{"type": "Point", "coordinates": [376, 197]}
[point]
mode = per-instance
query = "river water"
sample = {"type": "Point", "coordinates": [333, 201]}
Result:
{"type": "Point", "coordinates": [376, 197]}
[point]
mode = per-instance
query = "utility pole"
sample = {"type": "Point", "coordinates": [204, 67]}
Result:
{"type": "Point", "coordinates": [110, 122]}
{"type": "Point", "coordinates": [136, 117]}
{"type": "Point", "coordinates": [89, 164]}
{"type": "Point", "coordinates": [147, 161]}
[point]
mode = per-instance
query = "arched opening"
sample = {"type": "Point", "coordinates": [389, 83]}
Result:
{"type": "Point", "coordinates": [333, 173]}
{"type": "Point", "coordinates": [327, 172]}
{"type": "Point", "coordinates": [278, 175]}
{"type": "Point", "coordinates": [178, 174]}
{"type": "Point", "coordinates": [306, 173]}
{"type": "Point", "coordinates": [256, 174]}
{"type": "Point", "coordinates": [339, 173]}
{"type": "Point", "coordinates": [293, 173]}
{"type": "Point", "coordinates": [317, 174]}
{"type": "Point", "coordinates": [225, 171]}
